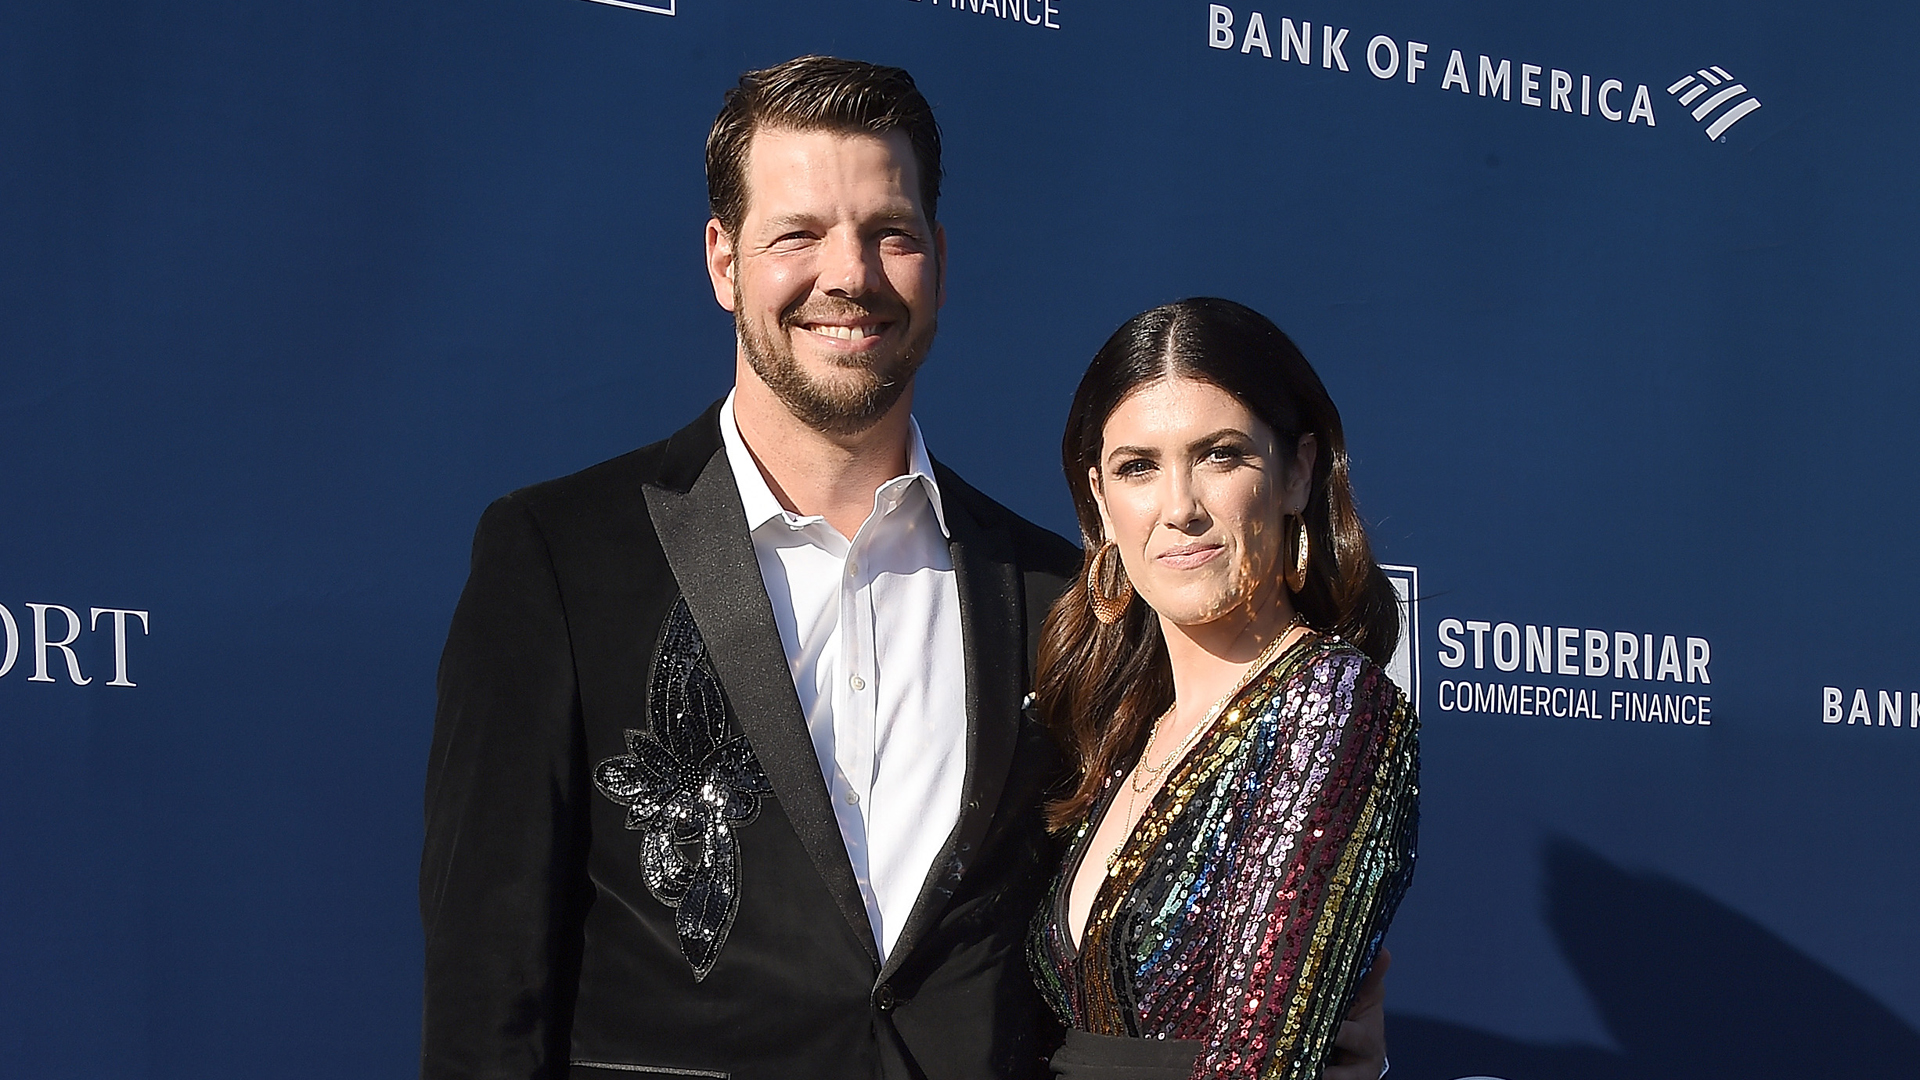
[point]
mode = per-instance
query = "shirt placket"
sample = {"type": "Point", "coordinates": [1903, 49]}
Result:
{"type": "Point", "coordinates": [855, 714]}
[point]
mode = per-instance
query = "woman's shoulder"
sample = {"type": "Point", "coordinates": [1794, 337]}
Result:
{"type": "Point", "coordinates": [1321, 656]}
{"type": "Point", "coordinates": [1331, 661]}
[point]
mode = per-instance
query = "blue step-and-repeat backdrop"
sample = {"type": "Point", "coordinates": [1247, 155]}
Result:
{"type": "Point", "coordinates": [1620, 301]}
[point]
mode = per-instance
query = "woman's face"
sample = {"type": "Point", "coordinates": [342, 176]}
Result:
{"type": "Point", "coordinates": [1191, 486]}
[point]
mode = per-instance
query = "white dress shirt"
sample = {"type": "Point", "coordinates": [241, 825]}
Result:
{"type": "Point", "coordinates": [871, 629]}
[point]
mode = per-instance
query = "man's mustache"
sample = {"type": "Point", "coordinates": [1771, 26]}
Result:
{"type": "Point", "coordinates": [842, 310]}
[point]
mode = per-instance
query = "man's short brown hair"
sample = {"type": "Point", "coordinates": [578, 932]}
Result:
{"type": "Point", "coordinates": [817, 93]}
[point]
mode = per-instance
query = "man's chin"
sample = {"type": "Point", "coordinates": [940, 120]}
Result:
{"type": "Point", "coordinates": [842, 415]}
{"type": "Point", "coordinates": [838, 391]}
{"type": "Point", "coordinates": [821, 360]}
{"type": "Point", "coordinates": [849, 374]}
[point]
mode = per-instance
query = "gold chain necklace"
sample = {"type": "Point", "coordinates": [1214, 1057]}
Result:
{"type": "Point", "coordinates": [1206, 722]}
{"type": "Point", "coordinates": [1152, 772]}
{"type": "Point", "coordinates": [1144, 770]}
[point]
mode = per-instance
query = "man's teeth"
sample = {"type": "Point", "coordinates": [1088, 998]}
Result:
{"type": "Point", "coordinates": [847, 333]}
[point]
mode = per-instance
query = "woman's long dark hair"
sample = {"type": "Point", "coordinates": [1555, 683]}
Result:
{"type": "Point", "coordinates": [1100, 686]}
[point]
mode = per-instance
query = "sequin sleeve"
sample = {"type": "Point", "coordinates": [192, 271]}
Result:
{"type": "Point", "coordinates": [1327, 808]}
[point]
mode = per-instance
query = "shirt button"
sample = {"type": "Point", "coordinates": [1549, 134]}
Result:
{"type": "Point", "coordinates": [853, 798]}
{"type": "Point", "coordinates": [857, 683]}
{"type": "Point", "coordinates": [853, 568]}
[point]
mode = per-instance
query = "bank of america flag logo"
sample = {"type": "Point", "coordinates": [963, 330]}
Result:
{"type": "Point", "coordinates": [1722, 96]}
{"type": "Point", "coordinates": [659, 7]}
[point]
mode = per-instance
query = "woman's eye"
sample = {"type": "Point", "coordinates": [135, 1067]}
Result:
{"type": "Point", "coordinates": [1226, 454]}
{"type": "Point", "coordinates": [1135, 467]}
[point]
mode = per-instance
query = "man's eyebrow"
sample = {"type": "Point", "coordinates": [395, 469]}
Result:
{"type": "Point", "coordinates": [785, 222]}
{"type": "Point", "coordinates": [789, 221]}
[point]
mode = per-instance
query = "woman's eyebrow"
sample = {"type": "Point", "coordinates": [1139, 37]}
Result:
{"type": "Point", "coordinates": [1223, 433]}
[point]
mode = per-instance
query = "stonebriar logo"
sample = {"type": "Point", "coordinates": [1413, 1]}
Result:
{"type": "Point", "coordinates": [1515, 669]}
{"type": "Point", "coordinates": [662, 7]}
{"type": "Point", "coordinates": [1708, 83]}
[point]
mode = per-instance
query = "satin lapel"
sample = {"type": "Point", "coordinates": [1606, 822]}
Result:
{"type": "Point", "coordinates": [703, 532]}
{"type": "Point", "coordinates": [990, 625]}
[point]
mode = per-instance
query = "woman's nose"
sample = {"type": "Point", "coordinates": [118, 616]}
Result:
{"type": "Point", "coordinates": [1180, 502]}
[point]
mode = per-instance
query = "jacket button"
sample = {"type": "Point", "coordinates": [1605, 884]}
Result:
{"type": "Point", "coordinates": [883, 998]}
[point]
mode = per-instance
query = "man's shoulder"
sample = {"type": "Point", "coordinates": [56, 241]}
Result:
{"type": "Point", "coordinates": [620, 483]}
{"type": "Point", "coordinates": [1037, 549]}
{"type": "Point", "coordinates": [613, 480]}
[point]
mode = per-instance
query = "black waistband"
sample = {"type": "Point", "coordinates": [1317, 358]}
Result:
{"type": "Point", "coordinates": [1087, 1056]}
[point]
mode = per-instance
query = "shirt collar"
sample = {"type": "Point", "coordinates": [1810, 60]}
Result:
{"type": "Point", "coordinates": [758, 500]}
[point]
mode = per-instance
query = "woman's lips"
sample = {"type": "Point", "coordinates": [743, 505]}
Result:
{"type": "Point", "coordinates": [1188, 556]}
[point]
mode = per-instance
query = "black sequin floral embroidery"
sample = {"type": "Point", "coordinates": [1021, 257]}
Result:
{"type": "Point", "coordinates": [689, 782]}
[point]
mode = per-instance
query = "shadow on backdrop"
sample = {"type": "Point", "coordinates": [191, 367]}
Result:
{"type": "Point", "coordinates": [1687, 987]}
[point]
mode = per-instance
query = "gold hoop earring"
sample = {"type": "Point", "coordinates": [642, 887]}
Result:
{"type": "Point", "coordinates": [1108, 592]}
{"type": "Point", "coordinates": [1296, 575]}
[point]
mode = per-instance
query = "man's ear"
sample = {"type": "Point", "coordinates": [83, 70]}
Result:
{"type": "Point", "coordinates": [939, 266]}
{"type": "Point", "coordinates": [720, 262]}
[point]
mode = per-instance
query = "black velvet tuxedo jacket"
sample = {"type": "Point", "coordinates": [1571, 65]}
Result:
{"type": "Point", "coordinates": [547, 953]}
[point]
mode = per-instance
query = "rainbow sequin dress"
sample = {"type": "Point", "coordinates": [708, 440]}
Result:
{"type": "Point", "coordinates": [1253, 895]}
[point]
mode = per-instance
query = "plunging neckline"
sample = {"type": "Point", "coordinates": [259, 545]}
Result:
{"type": "Point", "coordinates": [1076, 859]}
{"type": "Point", "coordinates": [1063, 894]}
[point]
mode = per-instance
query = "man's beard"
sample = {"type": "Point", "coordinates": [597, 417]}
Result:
{"type": "Point", "coordinates": [858, 393]}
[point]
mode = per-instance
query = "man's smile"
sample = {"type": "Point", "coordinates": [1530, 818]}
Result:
{"type": "Point", "coordinates": [854, 332]}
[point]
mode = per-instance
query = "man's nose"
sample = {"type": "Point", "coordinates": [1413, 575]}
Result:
{"type": "Point", "coordinates": [846, 266]}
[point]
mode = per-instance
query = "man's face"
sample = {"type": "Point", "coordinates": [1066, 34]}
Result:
{"type": "Point", "coordinates": [834, 279]}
